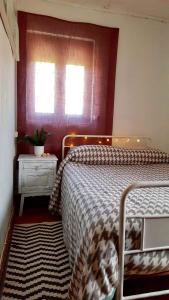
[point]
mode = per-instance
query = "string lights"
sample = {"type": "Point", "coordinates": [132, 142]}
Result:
{"type": "Point", "coordinates": [103, 140]}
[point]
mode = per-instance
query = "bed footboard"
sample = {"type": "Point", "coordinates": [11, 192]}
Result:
{"type": "Point", "coordinates": [154, 236]}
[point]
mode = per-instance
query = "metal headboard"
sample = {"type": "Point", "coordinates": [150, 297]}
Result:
{"type": "Point", "coordinates": [103, 139]}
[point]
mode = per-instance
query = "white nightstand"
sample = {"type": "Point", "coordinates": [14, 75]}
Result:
{"type": "Point", "coordinates": [36, 176]}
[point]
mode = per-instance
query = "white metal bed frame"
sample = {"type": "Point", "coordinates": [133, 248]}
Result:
{"type": "Point", "coordinates": [114, 138]}
{"type": "Point", "coordinates": [149, 223]}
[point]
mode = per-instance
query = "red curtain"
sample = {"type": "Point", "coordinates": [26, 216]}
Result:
{"type": "Point", "coordinates": [55, 55]}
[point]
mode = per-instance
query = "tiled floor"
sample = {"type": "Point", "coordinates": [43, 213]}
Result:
{"type": "Point", "coordinates": [145, 285]}
{"type": "Point", "coordinates": [35, 210]}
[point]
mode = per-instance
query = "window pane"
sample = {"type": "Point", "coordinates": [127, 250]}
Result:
{"type": "Point", "coordinates": [74, 90]}
{"type": "Point", "coordinates": [44, 87]}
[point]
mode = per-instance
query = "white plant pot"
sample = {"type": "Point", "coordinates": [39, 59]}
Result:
{"type": "Point", "coordinates": [38, 150]}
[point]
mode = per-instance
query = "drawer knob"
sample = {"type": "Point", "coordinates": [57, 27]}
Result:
{"type": "Point", "coordinates": [36, 168]}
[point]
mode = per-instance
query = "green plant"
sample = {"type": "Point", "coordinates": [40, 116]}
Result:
{"type": "Point", "coordinates": [38, 138]}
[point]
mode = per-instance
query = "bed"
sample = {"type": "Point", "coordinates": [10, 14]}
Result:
{"type": "Point", "coordinates": [87, 192]}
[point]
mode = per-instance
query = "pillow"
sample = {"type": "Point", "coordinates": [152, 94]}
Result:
{"type": "Point", "coordinates": [102, 154]}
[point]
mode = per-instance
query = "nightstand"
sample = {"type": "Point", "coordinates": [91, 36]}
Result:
{"type": "Point", "coordinates": [36, 176]}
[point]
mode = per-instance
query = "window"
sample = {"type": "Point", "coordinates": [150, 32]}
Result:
{"type": "Point", "coordinates": [66, 78]}
{"type": "Point", "coordinates": [74, 90]}
{"type": "Point", "coordinates": [44, 87]}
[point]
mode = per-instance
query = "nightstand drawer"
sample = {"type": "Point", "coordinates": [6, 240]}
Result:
{"type": "Point", "coordinates": [37, 165]}
{"type": "Point", "coordinates": [37, 181]}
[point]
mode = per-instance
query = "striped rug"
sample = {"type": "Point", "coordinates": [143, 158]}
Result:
{"type": "Point", "coordinates": [38, 265]}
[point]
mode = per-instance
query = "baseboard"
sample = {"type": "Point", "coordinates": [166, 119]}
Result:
{"type": "Point", "coordinates": [5, 250]}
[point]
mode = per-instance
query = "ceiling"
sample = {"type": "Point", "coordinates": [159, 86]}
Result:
{"type": "Point", "coordinates": [154, 9]}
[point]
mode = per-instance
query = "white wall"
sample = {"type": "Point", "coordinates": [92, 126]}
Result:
{"type": "Point", "coordinates": [142, 82]}
{"type": "Point", "coordinates": [7, 129]}
{"type": "Point", "coordinates": [142, 77]}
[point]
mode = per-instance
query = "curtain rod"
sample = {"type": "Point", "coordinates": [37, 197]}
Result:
{"type": "Point", "coordinates": [61, 35]}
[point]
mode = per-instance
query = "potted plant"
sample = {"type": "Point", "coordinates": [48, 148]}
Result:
{"type": "Point", "coordinates": [37, 140]}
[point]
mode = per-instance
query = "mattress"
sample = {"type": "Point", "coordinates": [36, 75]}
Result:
{"type": "Point", "coordinates": [90, 196]}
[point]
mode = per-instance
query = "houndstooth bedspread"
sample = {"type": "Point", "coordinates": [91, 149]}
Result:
{"type": "Point", "coordinates": [90, 195]}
